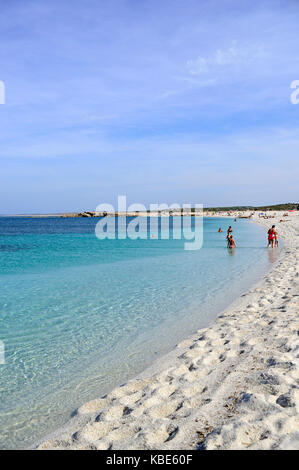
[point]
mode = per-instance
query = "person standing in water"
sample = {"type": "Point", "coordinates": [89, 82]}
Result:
{"type": "Point", "coordinates": [271, 236]}
{"type": "Point", "coordinates": [231, 242]}
{"type": "Point", "coordinates": [229, 230]}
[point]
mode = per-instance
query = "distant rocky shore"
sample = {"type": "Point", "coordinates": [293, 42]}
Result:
{"type": "Point", "coordinates": [167, 213]}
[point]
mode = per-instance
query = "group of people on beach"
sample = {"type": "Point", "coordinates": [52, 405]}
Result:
{"type": "Point", "coordinates": [272, 237]}
{"type": "Point", "coordinates": [229, 237]}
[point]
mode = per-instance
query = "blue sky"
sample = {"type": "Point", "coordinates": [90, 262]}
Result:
{"type": "Point", "coordinates": [165, 101]}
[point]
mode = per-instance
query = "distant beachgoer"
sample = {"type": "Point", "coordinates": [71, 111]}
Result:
{"type": "Point", "coordinates": [231, 242]}
{"type": "Point", "coordinates": [220, 230]}
{"type": "Point", "coordinates": [271, 236]}
{"type": "Point", "coordinates": [229, 230]}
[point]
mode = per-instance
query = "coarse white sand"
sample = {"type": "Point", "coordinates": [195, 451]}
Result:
{"type": "Point", "coordinates": [233, 385]}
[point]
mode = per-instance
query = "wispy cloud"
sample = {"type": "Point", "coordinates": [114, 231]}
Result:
{"type": "Point", "coordinates": [234, 55]}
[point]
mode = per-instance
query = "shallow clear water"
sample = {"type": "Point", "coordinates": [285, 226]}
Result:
{"type": "Point", "coordinates": [79, 315]}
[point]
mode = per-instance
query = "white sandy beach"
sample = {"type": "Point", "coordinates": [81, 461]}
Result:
{"type": "Point", "coordinates": [233, 385]}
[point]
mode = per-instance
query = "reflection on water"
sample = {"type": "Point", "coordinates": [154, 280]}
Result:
{"type": "Point", "coordinates": [231, 251]}
{"type": "Point", "coordinates": [273, 254]}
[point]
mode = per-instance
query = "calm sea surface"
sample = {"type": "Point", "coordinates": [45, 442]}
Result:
{"type": "Point", "coordinates": [80, 315]}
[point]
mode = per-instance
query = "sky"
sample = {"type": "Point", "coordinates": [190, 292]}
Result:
{"type": "Point", "coordinates": [173, 101]}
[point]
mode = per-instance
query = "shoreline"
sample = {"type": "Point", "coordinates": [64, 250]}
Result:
{"type": "Point", "coordinates": [218, 389]}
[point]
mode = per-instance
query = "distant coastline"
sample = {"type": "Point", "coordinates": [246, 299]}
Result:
{"type": "Point", "coordinates": [231, 211]}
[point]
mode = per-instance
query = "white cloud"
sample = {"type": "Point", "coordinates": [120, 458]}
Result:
{"type": "Point", "coordinates": [198, 66]}
{"type": "Point", "coordinates": [224, 57]}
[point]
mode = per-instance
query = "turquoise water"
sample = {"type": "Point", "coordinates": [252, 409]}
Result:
{"type": "Point", "coordinates": [79, 315]}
